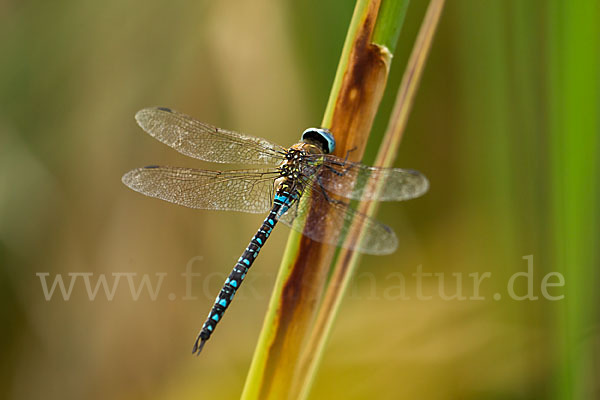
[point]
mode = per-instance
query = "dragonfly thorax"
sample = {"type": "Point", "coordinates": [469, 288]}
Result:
{"type": "Point", "coordinates": [294, 158]}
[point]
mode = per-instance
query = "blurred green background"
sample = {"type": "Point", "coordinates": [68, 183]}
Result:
{"type": "Point", "coordinates": [505, 125]}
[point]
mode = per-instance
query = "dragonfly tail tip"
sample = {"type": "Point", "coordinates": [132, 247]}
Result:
{"type": "Point", "coordinates": [198, 347]}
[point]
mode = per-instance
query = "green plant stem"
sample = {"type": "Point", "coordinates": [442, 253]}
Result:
{"type": "Point", "coordinates": [574, 121]}
{"type": "Point", "coordinates": [347, 260]}
{"type": "Point", "coordinates": [355, 96]}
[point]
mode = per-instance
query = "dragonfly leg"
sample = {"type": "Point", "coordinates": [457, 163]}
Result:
{"type": "Point", "coordinates": [350, 151]}
{"type": "Point", "coordinates": [335, 171]}
{"type": "Point", "coordinates": [344, 166]}
{"type": "Point", "coordinates": [326, 196]}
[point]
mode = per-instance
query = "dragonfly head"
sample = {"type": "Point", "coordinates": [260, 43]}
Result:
{"type": "Point", "coordinates": [320, 137]}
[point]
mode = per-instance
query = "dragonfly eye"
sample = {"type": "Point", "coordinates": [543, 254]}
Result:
{"type": "Point", "coordinates": [321, 137]}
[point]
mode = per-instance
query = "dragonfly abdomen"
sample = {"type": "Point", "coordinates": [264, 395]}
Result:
{"type": "Point", "coordinates": [236, 277]}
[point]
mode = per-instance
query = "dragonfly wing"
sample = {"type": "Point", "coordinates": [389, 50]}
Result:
{"type": "Point", "coordinates": [206, 142]}
{"type": "Point", "coordinates": [326, 220]}
{"type": "Point", "coordinates": [244, 190]}
{"type": "Point", "coordinates": [361, 182]}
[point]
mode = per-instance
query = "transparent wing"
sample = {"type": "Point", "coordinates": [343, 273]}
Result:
{"type": "Point", "coordinates": [355, 181]}
{"type": "Point", "coordinates": [206, 142]}
{"type": "Point", "coordinates": [330, 224]}
{"type": "Point", "coordinates": [244, 190]}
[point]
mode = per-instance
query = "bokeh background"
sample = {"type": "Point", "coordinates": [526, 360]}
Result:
{"type": "Point", "coordinates": [505, 125]}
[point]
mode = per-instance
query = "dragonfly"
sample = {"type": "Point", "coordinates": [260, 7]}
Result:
{"type": "Point", "coordinates": [289, 184]}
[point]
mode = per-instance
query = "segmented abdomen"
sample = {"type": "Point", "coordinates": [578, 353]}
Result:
{"type": "Point", "coordinates": [283, 200]}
